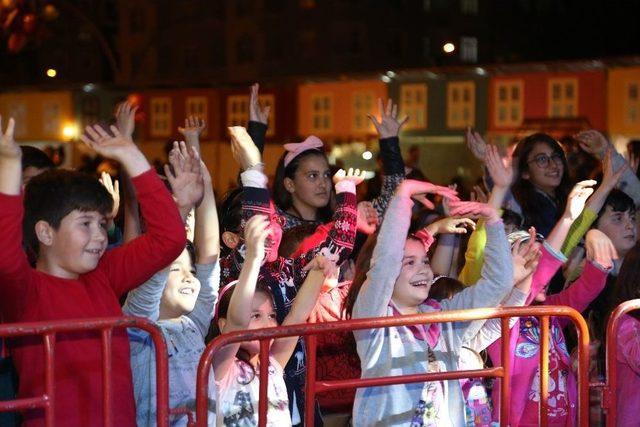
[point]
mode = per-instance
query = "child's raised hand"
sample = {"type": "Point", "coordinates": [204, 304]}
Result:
{"type": "Point", "coordinates": [255, 235]}
{"type": "Point", "coordinates": [450, 225]}
{"type": "Point", "coordinates": [126, 118]}
{"type": "Point", "coordinates": [600, 249]}
{"type": "Point", "coordinates": [478, 195]}
{"type": "Point", "coordinates": [8, 147]}
{"type": "Point", "coordinates": [633, 161]}
{"type": "Point", "coordinates": [525, 258]}
{"type": "Point", "coordinates": [257, 113]}
{"type": "Point", "coordinates": [593, 142]}
{"type": "Point", "coordinates": [578, 198]}
{"type": "Point", "coordinates": [476, 144]}
{"type": "Point", "coordinates": [500, 169]}
{"type": "Point", "coordinates": [419, 189]}
{"type": "Point", "coordinates": [193, 127]}
{"type": "Point", "coordinates": [354, 176]}
{"type": "Point", "coordinates": [389, 124]}
{"type": "Point", "coordinates": [113, 187]}
{"type": "Point", "coordinates": [243, 149]}
{"type": "Point", "coordinates": [186, 179]}
{"type": "Point", "coordinates": [474, 210]}
{"type": "Point", "coordinates": [367, 218]}
{"type": "Point", "coordinates": [116, 146]}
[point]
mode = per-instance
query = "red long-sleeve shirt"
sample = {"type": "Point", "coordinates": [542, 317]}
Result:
{"type": "Point", "coordinates": [30, 295]}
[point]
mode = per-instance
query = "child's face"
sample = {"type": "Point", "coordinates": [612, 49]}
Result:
{"type": "Point", "coordinates": [182, 288]}
{"type": "Point", "coordinates": [311, 184]}
{"type": "Point", "coordinates": [544, 175]}
{"type": "Point", "coordinates": [620, 227]}
{"type": "Point", "coordinates": [78, 244]}
{"type": "Point", "coordinates": [414, 282]}
{"type": "Point", "coordinates": [263, 315]}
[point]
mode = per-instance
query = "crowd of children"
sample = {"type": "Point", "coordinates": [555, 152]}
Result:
{"type": "Point", "coordinates": [308, 247]}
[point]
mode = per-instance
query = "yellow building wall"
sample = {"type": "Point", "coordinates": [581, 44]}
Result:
{"type": "Point", "coordinates": [40, 116]}
{"type": "Point", "coordinates": [342, 94]}
{"type": "Point", "coordinates": [617, 113]}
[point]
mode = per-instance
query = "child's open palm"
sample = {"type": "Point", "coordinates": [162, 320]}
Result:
{"type": "Point", "coordinates": [418, 190]}
{"type": "Point", "coordinates": [115, 146]}
{"type": "Point", "coordinates": [578, 198]}
{"type": "Point", "coordinates": [113, 187]}
{"type": "Point", "coordinates": [354, 176]}
{"type": "Point", "coordinates": [8, 147]}
{"type": "Point", "coordinates": [186, 179]}
{"type": "Point", "coordinates": [476, 144]}
{"type": "Point", "coordinates": [193, 127]}
{"type": "Point", "coordinates": [473, 210]}
{"type": "Point", "coordinates": [125, 118]}
{"type": "Point", "coordinates": [257, 113]}
{"type": "Point", "coordinates": [500, 169]}
{"type": "Point", "coordinates": [255, 235]}
{"type": "Point", "coordinates": [389, 124]}
{"type": "Point", "coordinates": [600, 248]}
{"type": "Point", "coordinates": [450, 225]}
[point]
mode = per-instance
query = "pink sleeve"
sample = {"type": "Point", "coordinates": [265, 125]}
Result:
{"type": "Point", "coordinates": [547, 268]}
{"type": "Point", "coordinates": [581, 292]}
{"type": "Point", "coordinates": [629, 343]}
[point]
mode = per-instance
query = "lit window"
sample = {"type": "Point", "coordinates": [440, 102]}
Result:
{"type": "Point", "coordinates": [51, 118]}
{"type": "Point", "coordinates": [563, 97]}
{"type": "Point", "coordinates": [321, 113]}
{"type": "Point", "coordinates": [413, 103]}
{"type": "Point", "coordinates": [238, 111]}
{"type": "Point", "coordinates": [18, 110]}
{"type": "Point", "coordinates": [632, 103]}
{"type": "Point", "coordinates": [198, 106]}
{"type": "Point", "coordinates": [509, 103]}
{"type": "Point", "coordinates": [362, 106]}
{"type": "Point", "coordinates": [461, 104]}
{"type": "Point", "coordinates": [160, 116]}
{"type": "Point", "coordinates": [469, 49]}
{"type": "Point", "coordinates": [469, 7]}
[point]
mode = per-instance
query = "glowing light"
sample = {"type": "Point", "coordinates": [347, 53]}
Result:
{"type": "Point", "coordinates": [51, 72]}
{"type": "Point", "coordinates": [367, 155]}
{"type": "Point", "coordinates": [385, 79]}
{"type": "Point", "coordinates": [391, 74]}
{"type": "Point", "coordinates": [89, 87]}
{"type": "Point", "coordinates": [448, 47]}
{"type": "Point", "coordinates": [70, 131]}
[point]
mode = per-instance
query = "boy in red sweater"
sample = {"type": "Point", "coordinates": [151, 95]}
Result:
{"type": "Point", "coordinates": [64, 223]}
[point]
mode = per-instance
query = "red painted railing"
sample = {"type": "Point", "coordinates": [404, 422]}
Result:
{"type": "Point", "coordinates": [310, 331]}
{"type": "Point", "coordinates": [48, 331]}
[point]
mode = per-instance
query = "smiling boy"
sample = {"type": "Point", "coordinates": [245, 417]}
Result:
{"type": "Point", "coordinates": [65, 226]}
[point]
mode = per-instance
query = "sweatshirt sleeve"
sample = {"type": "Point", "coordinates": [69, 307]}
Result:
{"type": "Point", "coordinates": [629, 182]}
{"type": "Point", "coordinates": [492, 329]}
{"type": "Point", "coordinates": [386, 261]}
{"type": "Point", "coordinates": [578, 229]}
{"type": "Point", "coordinates": [392, 173]}
{"type": "Point", "coordinates": [132, 264]}
{"type": "Point", "coordinates": [629, 344]}
{"type": "Point", "coordinates": [17, 278]}
{"type": "Point", "coordinates": [474, 256]}
{"type": "Point", "coordinates": [257, 131]}
{"type": "Point", "coordinates": [144, 301]}
{"type": "Point", "coordinates": [496, 278]}
{"type": "Point", "coordinates": [584, 290]}
{"type": "Point", "coordinates": [550, 262]}
{"type": "Point", "coordinates": [209, 277]}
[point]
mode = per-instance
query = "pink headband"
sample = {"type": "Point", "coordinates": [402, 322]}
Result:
{"type": "Point", "coordinates": [295, 149]}
{"type": "Point", "coordinates": [425, 238]}
{"type": "Point", "coordinates": [223, 291]}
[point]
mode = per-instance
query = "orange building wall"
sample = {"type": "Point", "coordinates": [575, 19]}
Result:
{"type": "Point", "coordinates": [592, 89]}
{"type": "Point", "coordinates": [617, 81]}
{"type": "Point", "coordinates": [34, 123]}
{"type": "Point", "coordinates": [342, 105]}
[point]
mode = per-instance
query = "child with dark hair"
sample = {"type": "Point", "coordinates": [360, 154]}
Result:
{"type": "Point", "coordinates": [179, 298]}
{"type": "Point", "coordinates": [34, 162]}
{"type": "Point", "coordinates": [74, 278]}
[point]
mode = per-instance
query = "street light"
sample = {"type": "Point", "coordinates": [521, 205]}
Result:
{"type": "Point", "coordinates": [51, 72]}
{"type": "Point", "coordinates": [448, 47]}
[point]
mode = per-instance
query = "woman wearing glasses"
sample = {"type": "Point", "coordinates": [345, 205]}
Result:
{"type": "Point", "coordinates": [542, 182]}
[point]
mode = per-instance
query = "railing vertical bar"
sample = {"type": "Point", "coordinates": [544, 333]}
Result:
{"type": "Point", "coordinates": [505, 381]}
{"type": "Point", "coordinates": [49, 378]}
{"type": "Point", "coordinates": [310, 384]}
{"type": "Point", "coordinates": [106, 377]}
{"type": "Point", "coordinates": [544, 370]}
{"type": "Point", "coordinates": [264, 383]}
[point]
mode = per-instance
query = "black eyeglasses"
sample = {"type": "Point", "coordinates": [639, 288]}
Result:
{"type": "Point", "coordinates": [543, 161]}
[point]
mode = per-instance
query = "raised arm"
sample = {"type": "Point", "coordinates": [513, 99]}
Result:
{"type": "Point", "coordinates": [192, 129]}
{"type": "Point", "coordinates": [239, 311]}
{"type": "Point", "coordinates": [258, 118]}
{"type": "Point", "coordinates": [388, 128]}
{"type": "Point", "coordinates": [144, 301]}
{"type": "Point", "coordinates": [10, 161]}
{"type": "Point", "coordinates": [185, 177]}
{"type": "Point", "coordinates": [318, 270]}
{"type": "Point", "coordinates": [130, 265]}
{"type": "Point", "coordinates": [575, 204]}
{"type": "Point", "coordinates": [386, 261]}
